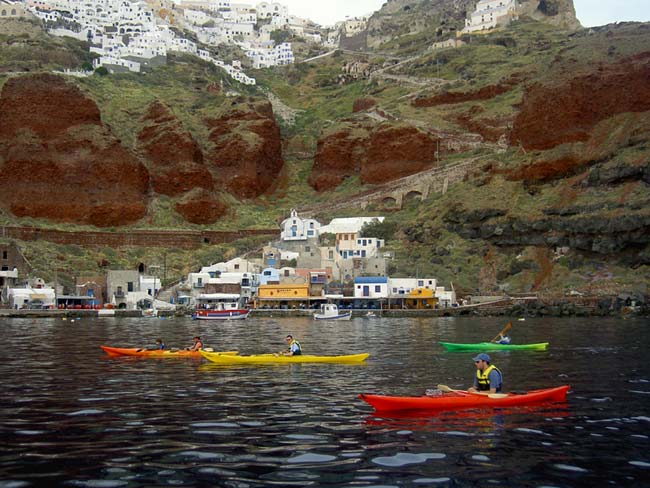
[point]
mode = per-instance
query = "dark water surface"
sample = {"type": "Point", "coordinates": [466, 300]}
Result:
{"type": "Point", "coordinates": [72, 416]}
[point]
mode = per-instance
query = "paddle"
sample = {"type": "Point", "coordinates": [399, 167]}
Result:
{"type": "Point", "coordinates": [503, 331]}
{"type": "Point", "coordinates": [445, 388]}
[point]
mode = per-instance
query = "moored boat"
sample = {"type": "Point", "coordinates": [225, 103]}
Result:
{"type": "Point", "coordinates": [212, 314]}
{"type": "Point", "coordinates": [462, 400]}
{"type": "Point", "coordinates": [156, 353]}
{"type": "Point", "coordinates": [220, 306]}
{"type": "Point", "coordinates": [330, 311]}
{"type": "Point", "coordinates": [493, 346]}
{"type": "Point", "coordinates": [278, 359]}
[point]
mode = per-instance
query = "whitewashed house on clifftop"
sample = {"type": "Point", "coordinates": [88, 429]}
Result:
{"type": "Point", "coordinates": [490, 14]}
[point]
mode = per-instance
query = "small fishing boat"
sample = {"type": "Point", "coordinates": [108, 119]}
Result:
{"type": "Point", "coordinates": [155, 353]}
{"type": "Point", "coordinates": [457, 400]}
{"type": "Point", "coordinates": [278, 359]}
{"type": "Point", "coordinates": [220, 306]}
{"type": "Point", "coordinates": [330, 311]}
{"type": "Point", "coordinates": [493, 346]}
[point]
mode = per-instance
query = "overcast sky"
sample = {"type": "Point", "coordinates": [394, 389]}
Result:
{"type": "Point", "coordinates": [589, 12]}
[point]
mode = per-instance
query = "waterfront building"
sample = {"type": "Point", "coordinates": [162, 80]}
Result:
{"type": "Point", "coordinates": [283, 296]}
{"type": "Point", "coordinates": [31, 298]}
{"type": "Point", "coordinates": [402, 287]}
{"type": "Point", "coordinates": [371, 287]}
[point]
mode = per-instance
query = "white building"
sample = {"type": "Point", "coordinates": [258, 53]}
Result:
{"type": "Point", "coordinates": [34, 298]}
{"type": "Point", "coordinates": [371, 287]}
{"type": "Point", "coordinates": [296, 228]}
{"type": "Point", "coordinates": [350, 225]}
{"type": "Point", "coordinates": [489, 14]}
{"type": "Point", "coordinates": [400, 287]}
{"type": "Point", "coordinates": [267, 10]}
{"type": "Point", "coordinates": [358, 247]}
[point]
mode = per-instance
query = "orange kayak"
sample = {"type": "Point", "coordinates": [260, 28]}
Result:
{"type": "Point", "coordinates": [157, 353]}
{"type": "Point", "coordinates": [461, 400]}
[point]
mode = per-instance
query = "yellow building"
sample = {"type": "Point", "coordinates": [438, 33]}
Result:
{"type": "Point", "coordinates": [421, 298]}
{"type": "Point", "coordinates": [283, 296]}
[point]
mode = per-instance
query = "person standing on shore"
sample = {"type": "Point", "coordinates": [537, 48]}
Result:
{"type": "Point", "coordinates": [489, 378]}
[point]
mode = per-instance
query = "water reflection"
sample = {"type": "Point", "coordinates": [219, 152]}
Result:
{"type": "Point", "coordinates": [70, 415]}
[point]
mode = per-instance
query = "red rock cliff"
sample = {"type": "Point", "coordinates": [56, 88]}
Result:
{"type": "Point", "coordinates": [58, 161]}
{"type": "Point", "coordinates": [376, 154]}
{"type": "Point", "coordinates": [247, 148]}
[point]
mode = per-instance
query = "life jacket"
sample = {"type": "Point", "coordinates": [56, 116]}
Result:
{"type": "Point", "coordinates": [482, 378]}
{"type": "Point", "coordinates": [299, 351]}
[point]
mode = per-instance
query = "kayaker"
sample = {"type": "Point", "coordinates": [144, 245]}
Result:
{"type": "Point", "coordinates": [503, 339]}
{"type": "Point", "coordinates": [488, 377]}
{"type": "Point", "coordinates": [160, 346]}
{"type": "Point", "coordinates": [198, 344]}
{"type": "Point", "coordinates": [294, 348]}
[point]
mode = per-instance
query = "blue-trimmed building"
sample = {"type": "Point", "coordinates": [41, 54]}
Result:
{"type": "Point", "coordinates": [371, 287]}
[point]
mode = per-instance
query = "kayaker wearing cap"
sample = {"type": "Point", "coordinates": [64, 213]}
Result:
{"type": "Point", "coordinates": [488, 378]}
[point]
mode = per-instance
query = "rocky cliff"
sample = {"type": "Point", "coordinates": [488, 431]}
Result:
{"type": "Point", "coordinates": [50, 130]}
{"type": "Point", "coordinates": [59, 161]}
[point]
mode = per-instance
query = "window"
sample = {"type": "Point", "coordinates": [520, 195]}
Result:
{"type": "Point", "coordinates": [4, 255]}
{"type": "Point", "coordinates": [129, 285]}
{"type": "Point", "coordinates": [377, 288]}
{"type": "Point", "coordinates": [236, 266]}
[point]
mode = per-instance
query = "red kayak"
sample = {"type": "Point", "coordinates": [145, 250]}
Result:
{"type": "Point", "coordinates": [459, 400]}
{"type": "Point", "coordinates": [157, 353]}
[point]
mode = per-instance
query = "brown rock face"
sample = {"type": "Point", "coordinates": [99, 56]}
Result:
{"type": "Point", "coordinates": [377, 155]}
{"type": "Point", "coordinates": [553, 115]}
{"type": "Point", "coordinates": [201, 207]}
{"type": "Point", "coordinates": [247, 149]}
{"type": "Point", "coordinates": [58, 161]}
{"type": "Point", "coordinates": [177, 161]}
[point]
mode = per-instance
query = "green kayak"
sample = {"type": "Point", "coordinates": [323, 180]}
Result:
{"type": "Point", "coordinates": [491, 346]}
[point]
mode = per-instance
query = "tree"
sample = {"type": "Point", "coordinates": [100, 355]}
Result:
{"type": "Point", "coordinates": [381, 230]}
{"type": "Point", "coordinates": [280, 35]}
{"type": "Point", "coordinates": [101, 71]}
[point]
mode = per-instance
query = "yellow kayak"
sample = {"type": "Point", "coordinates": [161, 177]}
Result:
{"type": "Point", "coordinates": [273, 359]}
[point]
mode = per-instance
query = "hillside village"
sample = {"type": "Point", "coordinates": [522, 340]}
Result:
{"type": "Point", "coordinates": [295, 272]}
{"type": "Point", "coordinates": [137, 35]}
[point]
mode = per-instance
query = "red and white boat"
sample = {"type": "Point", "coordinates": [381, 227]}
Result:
{"type": "Point", "coordinates": [220, 306]}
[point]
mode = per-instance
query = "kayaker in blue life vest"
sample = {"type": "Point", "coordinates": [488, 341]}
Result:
{"type": "Point", "coordinates": [160, 346]}
{"type": "Point", "coordinates": [503, 339]}
{"type": "Point", "coordinates": [488, 377]}
{"type": "Point", "coordinates": [294, 348]}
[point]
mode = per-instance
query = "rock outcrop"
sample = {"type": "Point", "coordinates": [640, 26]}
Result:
{"type": "Point", "coordinates": [58, 161]}
{"type": "Point", "coordinates": [246, 148]}
{"type": "Point", "coordinates": [176, 160]}
{"type": "Point", "coordinates": [376, 154]}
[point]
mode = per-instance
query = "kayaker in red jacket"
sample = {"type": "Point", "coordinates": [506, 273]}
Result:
{"type": "Point", "coordinates": [198, 344]}
{"type": "Point", "coordinates": [488, 377]}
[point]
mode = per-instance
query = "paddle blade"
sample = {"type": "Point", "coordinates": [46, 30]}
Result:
{"type": "Point", "coordinates": [444, 388]}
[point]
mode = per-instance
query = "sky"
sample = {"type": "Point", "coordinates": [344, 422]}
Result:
{"type": "Point", "coordinates": [589, 12]}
